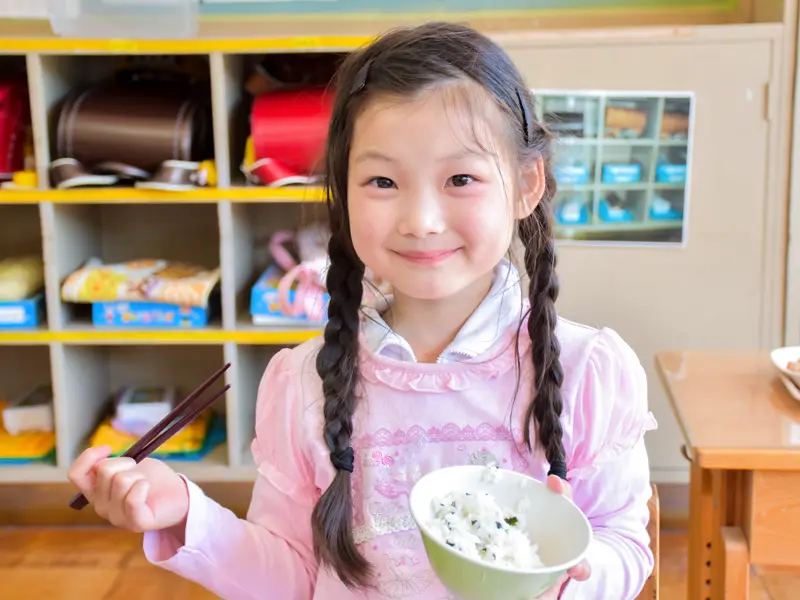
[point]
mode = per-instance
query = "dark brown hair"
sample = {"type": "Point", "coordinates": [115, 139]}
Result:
{"type": "Point", "coordinates": [404, 63]}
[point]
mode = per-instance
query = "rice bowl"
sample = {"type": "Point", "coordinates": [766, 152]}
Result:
{"type": "Point", "coordinates": [485, 534]}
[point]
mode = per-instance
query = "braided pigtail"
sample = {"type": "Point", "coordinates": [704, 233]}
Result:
{"type": "Point", "coordinates": [536, 234]}
{"type": "Point", "coordinates": [545, 409]}
{"type": "Point", "coordinates": [337, 366]}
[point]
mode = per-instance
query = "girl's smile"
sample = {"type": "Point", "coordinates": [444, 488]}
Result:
{"type": "Point", "coordinates": [426, 258]}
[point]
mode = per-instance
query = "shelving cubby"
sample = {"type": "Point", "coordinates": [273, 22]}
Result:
{"type": "Point", "coordinates": [90, 377]}
{"type": "Point", "coordinates": [253, 225]}
{"type": "Point", "coordinates": [83, 100]}
{"type": "Point", "coordinates": [248, 369]}
{"type": "Point", "coordinates": [241, 78]}
{"type": "Point", "coordinates": [129, 232]}
{"type": "Point", "coordinates": [21, 238]}
{"type": "Point", "coordinates": [23, 369]}
{"type": "Point", "coordinates": [17, 147]}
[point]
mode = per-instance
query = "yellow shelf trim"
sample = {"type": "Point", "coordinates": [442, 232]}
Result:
{"type": "Point", "coordinates": [11, 45]}
{"type": "Point", "coordinates": [161, 336]}
{"type": "Point", "coordinates": [135, 195]}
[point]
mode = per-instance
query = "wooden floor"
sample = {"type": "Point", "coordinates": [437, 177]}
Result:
{"type": "Point", "coordinates": [105, 564]}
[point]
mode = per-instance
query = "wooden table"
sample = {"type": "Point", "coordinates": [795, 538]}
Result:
{"type": "Point", "coordinates": [742, 432]}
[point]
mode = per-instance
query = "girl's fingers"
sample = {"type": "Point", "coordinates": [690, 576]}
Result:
{"type": "Point", "coordinates": [559, 486]}
{"type": "Point", "coordinates": [138, 513]}
{"type": "Point", "coordinates": [581, 572]}
{"type": "Point", "coordinates": [106, 471]}
{"type": "Point", "coordinates": [82, 472]}
{"type": "Point", "coordinates": [555, 483]}
{"type": "Point", "coordinates": [121, 485]}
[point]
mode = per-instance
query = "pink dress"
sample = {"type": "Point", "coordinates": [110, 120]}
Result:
{"type": "Point", "coordinates": [420, 417]}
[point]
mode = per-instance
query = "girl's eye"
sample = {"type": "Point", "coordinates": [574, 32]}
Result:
{"type": "Point", "coordinates": [382, 182]}
{"type": "Point", "coordinates": [461, 180]}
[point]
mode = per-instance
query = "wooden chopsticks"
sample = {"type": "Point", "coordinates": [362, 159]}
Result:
{"type": "Point", "coordinates": [183, 414]}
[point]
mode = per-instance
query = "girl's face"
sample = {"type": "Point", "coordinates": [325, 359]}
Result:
{"type": "Point", "coordinates": [429, 192]}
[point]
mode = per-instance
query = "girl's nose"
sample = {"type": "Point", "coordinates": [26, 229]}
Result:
{"type": "Point", "coordinates": [421, 214]}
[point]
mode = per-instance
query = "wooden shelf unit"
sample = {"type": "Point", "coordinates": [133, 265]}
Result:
{"type": "Point", "coordinates": [210, 226]}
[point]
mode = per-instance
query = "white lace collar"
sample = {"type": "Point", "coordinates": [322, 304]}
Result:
{"type": "Point", "coordinates": [498, 311]}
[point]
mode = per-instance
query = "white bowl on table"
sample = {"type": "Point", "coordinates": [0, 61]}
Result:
{"type": "Point", "coordinates": [554, 523]}
{"type": "Point", "coordinates": [781, 357]}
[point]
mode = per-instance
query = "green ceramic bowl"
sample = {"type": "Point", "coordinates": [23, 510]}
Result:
{"type": "Point", "coordinates": [560, 529]}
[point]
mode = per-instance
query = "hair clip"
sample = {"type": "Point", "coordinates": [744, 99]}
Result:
{"type": "Point", "coordinates": [361, 78]}
{"type": "Point", "coordinates": [526, 118]}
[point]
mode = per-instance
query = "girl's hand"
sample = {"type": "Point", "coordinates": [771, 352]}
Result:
{"type": "Point", "coordinates": [138, 497]}
{"type": "Point", "coordinates": [579, 572]}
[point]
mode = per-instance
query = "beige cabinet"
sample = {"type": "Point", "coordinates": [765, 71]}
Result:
{"type": "Point", "coordinates": [792, 326]}
{"type": "Point", "coordinates": [721, 288]}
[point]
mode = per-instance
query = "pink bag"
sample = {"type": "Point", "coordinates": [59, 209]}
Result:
{"type": "Point", "coordinates": [307, 277]}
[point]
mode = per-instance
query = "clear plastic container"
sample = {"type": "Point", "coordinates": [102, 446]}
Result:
{"type": "Point", "coordinates": [126, 19]}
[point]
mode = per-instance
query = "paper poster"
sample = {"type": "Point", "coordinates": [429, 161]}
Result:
{"type": "Point", "coordinates": [622, 162]}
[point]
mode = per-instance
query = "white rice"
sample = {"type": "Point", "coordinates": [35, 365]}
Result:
{"type": "Point", "coordinates": [475, 525]}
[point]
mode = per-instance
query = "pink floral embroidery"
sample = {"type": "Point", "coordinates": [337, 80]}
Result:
{"type": "Point", "coordinates": [394, 489]}
{"type": "Point", "coordinates": [449, 433]}
{"type": "Point", "coordinates": [380, 510]}
{"type": "Point", "coordinates": [406, 583]}
{"type": "Point", "coordinates": [384, 459]}
{"type": "Point", "coordinates": [392, 473]}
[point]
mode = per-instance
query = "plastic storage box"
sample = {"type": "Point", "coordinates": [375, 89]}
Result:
{"type": "Point", "coordinates": [125, 19]}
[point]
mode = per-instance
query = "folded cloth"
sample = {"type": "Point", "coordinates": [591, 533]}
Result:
{"type": "Point", "coordinates": [20, 277]}
{"type": "Point", "coordinates": [25, 447]}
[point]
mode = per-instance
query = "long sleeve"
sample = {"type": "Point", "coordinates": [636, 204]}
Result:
{"type": "Point", "coordinates": [609, 470]}
{"type": "Point", "coordinates": [269, 554]}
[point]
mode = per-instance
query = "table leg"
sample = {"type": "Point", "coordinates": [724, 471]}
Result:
{"type": "Point", "coordinates": [734, 557]}
{"type": "Point", "coordinates": [727, 493]}
{"type": "Point", "coordinates": [701, 533]}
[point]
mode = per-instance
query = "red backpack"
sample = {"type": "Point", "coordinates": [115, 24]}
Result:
{"type": "Point", "coordinates": [14, 124]}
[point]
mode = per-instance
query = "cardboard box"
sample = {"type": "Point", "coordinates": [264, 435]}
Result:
{"type": "Point", "coordinates": [148, 314]}
{"type": "Point", "coordinates": [22, 314]}
{"type": "Point", "coordinates": [265, 306]}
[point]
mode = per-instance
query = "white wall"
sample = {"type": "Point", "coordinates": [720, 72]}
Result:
{"type": "Point", "coordinates": [23, 9]}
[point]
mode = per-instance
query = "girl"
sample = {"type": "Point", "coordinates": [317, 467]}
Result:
{"type": "Point", "coordinates": [435, 161]}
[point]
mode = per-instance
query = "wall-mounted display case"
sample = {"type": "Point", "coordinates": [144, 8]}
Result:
{"type": "Point", "coordinates": [622, 164]}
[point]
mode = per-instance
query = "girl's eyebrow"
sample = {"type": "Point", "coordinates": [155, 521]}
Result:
{"type": "Point", "coordinates": [375, 155]}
